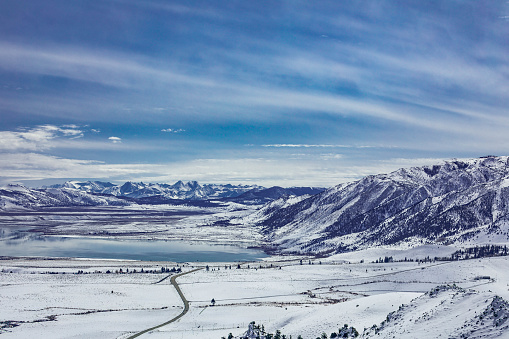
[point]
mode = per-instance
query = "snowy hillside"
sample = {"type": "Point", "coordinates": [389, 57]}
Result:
{"type": "Point", "coordinates": [17, 196]}
{"type": "Point", "coordinates": [265, 195]}
{"type": "Point", "coordinates": [449, 312]}
{"type": "Point", "coordinates": [456, 202]}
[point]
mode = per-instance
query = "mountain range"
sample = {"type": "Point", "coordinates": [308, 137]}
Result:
{"type": "Point", "coordinates": [97, 193]}
{"type": "Point", "coordinates": [455, 202]}
{"type": "Point", "coordinates": [191, 190]}
{"type": "Point", "coordinates": [17, 196]}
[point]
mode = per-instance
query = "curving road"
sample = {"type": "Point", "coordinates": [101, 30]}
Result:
{"type": "Point", "coordinates": [173, 281]}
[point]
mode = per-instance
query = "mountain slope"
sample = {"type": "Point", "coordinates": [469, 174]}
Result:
{"type": "Point", "coordinates": [16, 196]}
{"type": "Point", "coordinates": [455, 202]}
{"type": "Point", "coordinates": [265, 195]}
{"type": "Point", "coordinates": [447, 311]}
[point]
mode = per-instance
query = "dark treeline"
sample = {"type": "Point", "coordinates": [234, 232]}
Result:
{"type": "Point", "coordinates": [463, 254]}
{"type": "Point", "coordinates": [472, 253]}
{"type": "Point", "coordinates": [258, 332]}
{"type": "Point", "coordinates": [479, 252]}
{"type": "Point", "coordinates": [127, 271]}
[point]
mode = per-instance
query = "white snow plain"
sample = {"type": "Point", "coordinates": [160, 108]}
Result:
{"type": "Point", "coordinates": [280, 293]}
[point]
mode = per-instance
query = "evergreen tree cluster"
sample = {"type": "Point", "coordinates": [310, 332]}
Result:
{"type": "Point", "coordinates": [258, 332]}
{"type": "Point", "coordinates": [480, 252]}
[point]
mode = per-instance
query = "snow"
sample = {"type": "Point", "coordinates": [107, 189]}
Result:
{"type": "Point", "coordinates": [83, 305]}
{"type": "Point", "coordinates": [282, 294]}
{"type": "Point", "coordinates": [505, 183]}
{"type": "Point", "coordinates": [398, 253]}
{"type": "Point", "coordinates": [430, 316]}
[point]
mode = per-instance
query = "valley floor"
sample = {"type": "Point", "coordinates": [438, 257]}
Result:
{"type": "Point", "coordinates": [47, 298]}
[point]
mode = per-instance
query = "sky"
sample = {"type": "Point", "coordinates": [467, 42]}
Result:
{"type": "Point", "coordinates": [288, 93]}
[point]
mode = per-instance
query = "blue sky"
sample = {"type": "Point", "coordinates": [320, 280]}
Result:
{"type": "Point", "coordinates": [266, 92]}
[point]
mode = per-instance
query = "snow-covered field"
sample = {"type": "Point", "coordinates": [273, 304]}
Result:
{"type": "Point", "coordinates": [280, 293]}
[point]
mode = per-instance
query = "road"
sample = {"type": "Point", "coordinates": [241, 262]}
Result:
{"type": "Point", "coordinates": [173, 281]}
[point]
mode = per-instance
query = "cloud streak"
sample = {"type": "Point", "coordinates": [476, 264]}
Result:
{"type": "Point", "coordinates": [288, 172]}
{"type": "Point", "coordinates": [316, 146]}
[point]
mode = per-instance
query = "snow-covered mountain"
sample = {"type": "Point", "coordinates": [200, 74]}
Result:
{"type": "Point", "coordinates": [17, 196]}
{"type": "Point", "coordinates": [97, 193]}
{"type": "Point", "coordinates": [191, 190]}
{"type": "Point", "coordinates": [264, 195]}
{"type": "Point", "coordinates": [453, 202]}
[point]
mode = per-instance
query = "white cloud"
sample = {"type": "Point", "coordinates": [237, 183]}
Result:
{"type": "Point", "coordinates": [34, 166]}
{"type": "Point", "coordinates": [320, 146]}
{"type": "Point", "coordinates": [38, 138]}
{"type": "Point", "coordinates": [302, 145]}
{"type": "Point", "coordinates": [331, 156]}
{"type": "Point", "coordinates": [115, 140]}
{"type": "Point", "coordinates": [171, 130]}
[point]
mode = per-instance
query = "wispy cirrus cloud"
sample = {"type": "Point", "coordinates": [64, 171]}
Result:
{"type": "Point", "coordinates": [105, 67]}
{"type": "Point", "coordinates": [402, 90]}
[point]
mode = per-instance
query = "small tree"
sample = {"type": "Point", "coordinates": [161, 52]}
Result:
{"type": "Point", "coordinates": [212, 302]}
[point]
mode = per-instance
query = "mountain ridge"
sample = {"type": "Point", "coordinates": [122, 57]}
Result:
{"type": "Point", "coordinates": [191, 190]}
{"type": "Point", "coordinates": [97, 193]}
{"type": "Point", "coordinates": [457, 201]}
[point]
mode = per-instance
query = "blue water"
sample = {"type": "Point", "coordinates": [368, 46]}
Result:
{"type": "Point", "coordinates": [30, 245]}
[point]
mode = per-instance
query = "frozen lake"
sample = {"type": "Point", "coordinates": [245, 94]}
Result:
{"type": "Point", "coordinates": [35, 245]}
